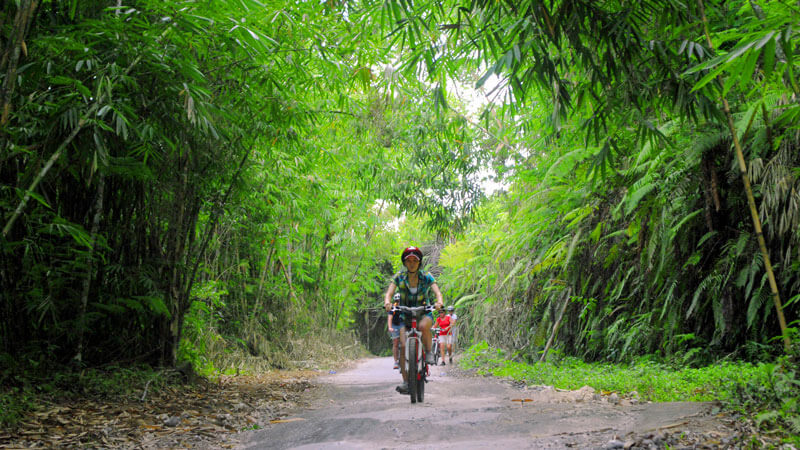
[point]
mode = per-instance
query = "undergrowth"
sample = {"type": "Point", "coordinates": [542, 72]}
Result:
{"type": "Point", "coordinates": [211, 354]}
{"type": "Point", "coordinates": [768, 392]}
{"type": "Point", "coordinates": [26, 388]}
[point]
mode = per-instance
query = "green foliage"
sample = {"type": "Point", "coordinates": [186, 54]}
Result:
{"type": "Point", "coordinates": [773, 393]}
{"type": "Point", "coordinates": [643, 214]}
{"type": "Point", "coordinates": [223, 175]}
{"type": "Point", "coordinates": [652, 380]}
{"type": "Point", "coordinates": [13, 404]}
{"type": "Point", "coordinates": [199, 327]}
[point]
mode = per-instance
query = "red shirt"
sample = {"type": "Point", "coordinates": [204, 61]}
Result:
{"type": "Point", "coordinates": [444, 323]}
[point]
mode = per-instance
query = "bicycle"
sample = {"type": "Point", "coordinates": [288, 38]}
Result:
{"type": "Point", "coordinates": [435, 345]}
{"type": "Point", "coordinates": [416, 368]}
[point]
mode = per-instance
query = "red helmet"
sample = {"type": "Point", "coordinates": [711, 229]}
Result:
{"type": "Point", "coordinates": [411, 251]}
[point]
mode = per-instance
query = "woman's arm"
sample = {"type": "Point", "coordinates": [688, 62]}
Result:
{"type": "Point", "coordinates": [387, 299]}
{"type": "Point", "coordinates": [438, 294]}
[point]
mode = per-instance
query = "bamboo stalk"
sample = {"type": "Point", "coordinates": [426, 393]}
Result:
{"type": "Point", "coordinates": [87, 282]}
{"type": "Point", "coordinates": [45, 169]}
{"type": "Point", "coordinates": [776, 298]}
{"type": "Point", "coordinates": [183, 297]}
{"type": "Point", "coordinates": [288, 277]}
{"type": "Point", "coordinates": [11, 56]}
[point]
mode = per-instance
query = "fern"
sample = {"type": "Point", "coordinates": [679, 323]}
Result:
{"type": "Point", "coordinates": [767, 417]}
{"type": "Point", "coordinates": [639, 190]}
{"type": "Point", "coordinates": [794, 423]}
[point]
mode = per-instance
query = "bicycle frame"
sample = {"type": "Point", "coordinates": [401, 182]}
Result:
{"type": "Point", "coordinates": [416, 369]}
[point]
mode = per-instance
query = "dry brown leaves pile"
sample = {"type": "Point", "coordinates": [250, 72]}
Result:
{"type": "Point", "coordinates": [203, 415]}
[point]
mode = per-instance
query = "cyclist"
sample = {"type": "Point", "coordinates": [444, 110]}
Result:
{"type": "Point", "coordinates": [451, 339]}
{"type": "Point", "coordinates": [416, 288]}
{"type": "Point", "coordinates": [443, 322]}
{"type": "Point", "coordinates": [394, 329]}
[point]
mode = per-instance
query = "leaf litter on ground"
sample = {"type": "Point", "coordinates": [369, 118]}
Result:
{"type": "Point", "coordinates": [203, 414]}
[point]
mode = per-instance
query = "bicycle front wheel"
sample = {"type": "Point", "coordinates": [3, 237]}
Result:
{"type": "Point", "coordinates": [412, 361]}
{"type": "Point", "coordinates": [421, 381]}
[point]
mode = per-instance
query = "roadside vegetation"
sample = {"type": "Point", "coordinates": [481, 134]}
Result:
{"type": "Point", "coordinates": [26, 393]}
{"type": "Point", "coordinates": [767, 393]}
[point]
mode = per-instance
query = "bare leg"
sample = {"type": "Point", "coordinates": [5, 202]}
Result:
{"type": "Point", "coordinates": [425, 327]}
{"type": "Point", "coordinates": [401, 351]}
{"type": "Point", "coordinates": [394, 348]}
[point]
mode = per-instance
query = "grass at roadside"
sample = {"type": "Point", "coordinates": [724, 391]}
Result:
{"type": "Point", "coordinates": [651, 380]}
{"type": "Point", "coordinates": [768, 392]}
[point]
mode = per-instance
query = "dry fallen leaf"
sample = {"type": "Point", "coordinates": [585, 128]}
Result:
{"type": "Point", "coordinates": [294, 419]}
{"type": "Point", "coordinates": [127, 422]}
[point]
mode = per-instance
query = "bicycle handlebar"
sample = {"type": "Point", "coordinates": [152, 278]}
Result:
{"type": "Point", "coordinates": [413, 309]}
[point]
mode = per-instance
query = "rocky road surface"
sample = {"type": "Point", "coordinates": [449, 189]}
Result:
{"type": "Point", "coordinates": [360, 409]}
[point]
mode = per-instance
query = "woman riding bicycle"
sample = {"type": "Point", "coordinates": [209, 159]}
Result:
{"type": "Point", "coordinates": [415, 289]}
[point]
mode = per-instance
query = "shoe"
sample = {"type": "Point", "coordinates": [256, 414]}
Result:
{"type": "Point", "coordinates": [430, 359]}
{"type": "Point", "coordinates": [442, 363]}
{"type": "Point", "coordinates": [451, 360]}
{"type": "Point", "coordinates": [403, 388]}
{"type": "Point", "coordinates": [396, 365]}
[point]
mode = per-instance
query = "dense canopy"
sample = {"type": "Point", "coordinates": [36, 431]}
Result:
{"type": "Point", "coordinates": [180, 175]}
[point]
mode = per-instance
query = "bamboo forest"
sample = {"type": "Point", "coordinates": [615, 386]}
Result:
{"type": "Point", "coordinates": [227, 185]}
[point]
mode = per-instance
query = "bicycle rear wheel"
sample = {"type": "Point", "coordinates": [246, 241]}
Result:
{"type": "Point", "coordinates": [411, 360]}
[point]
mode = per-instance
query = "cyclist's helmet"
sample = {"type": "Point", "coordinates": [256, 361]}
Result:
{"type": "Point", "coordinates": [396, 297]}
{"type": "Point", "coordinates": [450, 308]}
{"type": "Point", "coordinates": [411, 251]}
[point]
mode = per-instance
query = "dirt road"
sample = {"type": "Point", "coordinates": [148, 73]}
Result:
{"type": "Point", "coordinates": [359, 409]}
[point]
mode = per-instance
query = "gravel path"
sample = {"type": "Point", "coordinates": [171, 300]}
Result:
{"type": "Point", "coordinates": [359, 408]}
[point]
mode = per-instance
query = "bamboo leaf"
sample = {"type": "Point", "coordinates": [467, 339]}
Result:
{"type": "Point", "coordinates": [710, 76]}
{"type": "Point", "coordinates": [21, 194]}
{"type": "Point", "coordinates": [746, 75]}
{"type": "Point", "coordinates": [769, 58]}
